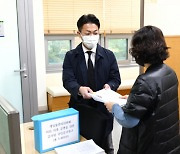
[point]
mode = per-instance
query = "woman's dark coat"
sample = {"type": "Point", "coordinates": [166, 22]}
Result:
{"type": "Point", "coordinates": [154, 100]}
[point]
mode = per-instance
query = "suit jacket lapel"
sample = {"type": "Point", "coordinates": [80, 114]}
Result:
{"type": "Point", "coordinates": [82, 62]}
{"type": "Point", "coordinates": [99, 53]}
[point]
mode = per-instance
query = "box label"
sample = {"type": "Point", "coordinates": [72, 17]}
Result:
{"type": "Point", "coordinates": [59, 131]}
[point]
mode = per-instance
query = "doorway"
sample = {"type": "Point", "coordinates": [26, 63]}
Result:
{"type": "Point", "coordinates": [27, 59]}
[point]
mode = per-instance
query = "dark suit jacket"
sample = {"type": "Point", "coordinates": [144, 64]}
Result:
{"type": "Point", "coordinates": [75, 75]}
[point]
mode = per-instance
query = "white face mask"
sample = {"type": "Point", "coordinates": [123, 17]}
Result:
{"type": "Point", "coordinates": [90, 41]}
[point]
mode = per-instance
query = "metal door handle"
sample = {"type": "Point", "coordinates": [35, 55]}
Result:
{"type": "Point", "coordinates": [21, 70]}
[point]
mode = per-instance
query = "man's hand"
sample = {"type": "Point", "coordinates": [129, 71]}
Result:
{"type": "Point", "coordinates": [84, 91]}
{"type": "Point", "coordinates": [106, 86]}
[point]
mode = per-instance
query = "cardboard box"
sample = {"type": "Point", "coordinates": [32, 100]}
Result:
{"type": "Point", "coordinates": [56, 129]}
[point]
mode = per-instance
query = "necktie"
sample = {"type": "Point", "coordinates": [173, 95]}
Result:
{"type": "Point", "coordinates": [90, 73]}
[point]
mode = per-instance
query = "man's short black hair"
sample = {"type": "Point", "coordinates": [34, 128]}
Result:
{"type": "Point", "coordinates": [89, 18]}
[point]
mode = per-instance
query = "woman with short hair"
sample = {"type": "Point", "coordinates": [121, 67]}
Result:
{"type": "Point", "coordinates": [150, 118]}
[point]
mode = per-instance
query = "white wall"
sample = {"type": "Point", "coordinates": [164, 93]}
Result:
{"type": "Point", "coordinates": [40, 53]}
{"type": "Point", "coordinates": [163, 14]}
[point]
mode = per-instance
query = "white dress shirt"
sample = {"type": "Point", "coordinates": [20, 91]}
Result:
{"type": "Point", "coordinates": [92, 55]}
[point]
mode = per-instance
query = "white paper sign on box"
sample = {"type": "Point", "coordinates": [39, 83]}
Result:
{"type": "Point", "coordinates": [56, 129]}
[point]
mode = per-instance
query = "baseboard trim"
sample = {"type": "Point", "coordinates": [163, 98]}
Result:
{"type": "Point", "coordinates": [42, 109]}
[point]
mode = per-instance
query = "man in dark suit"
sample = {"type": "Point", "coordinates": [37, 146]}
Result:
{"type": "Point", "coordinates": [80, 80]}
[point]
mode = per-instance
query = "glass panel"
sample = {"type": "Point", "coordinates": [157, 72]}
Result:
{"type": "Point", "coordinates": [57, 50]}
{"type": "Point", "coordinates": [120, 48]}
{"type": "Point", "coordinates": [10, 81]}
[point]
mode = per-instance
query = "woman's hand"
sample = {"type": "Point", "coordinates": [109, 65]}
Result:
{"type": "Point", "coordinates": [109, 106]}
{"type": "Point", "coordinates": [124, 97]}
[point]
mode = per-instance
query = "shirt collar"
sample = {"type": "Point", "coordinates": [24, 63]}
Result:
{"type": "Point", "coordinates": [85, 49]}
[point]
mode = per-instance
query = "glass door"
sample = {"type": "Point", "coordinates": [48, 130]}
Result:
{"type": "Point", "coordinates": [10, 81]}
{"type": "Point", "coordinates": [17, 60]}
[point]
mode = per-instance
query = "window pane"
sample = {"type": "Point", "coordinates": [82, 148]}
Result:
{"type": "Point", "coordinates": [119, 47]}
{"type": "Point", "coordinates": [57, 50]}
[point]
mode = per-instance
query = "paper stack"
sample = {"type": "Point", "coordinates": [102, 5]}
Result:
{"type": "Point", "coordinates": [84, 147]}
{"type": "Point", "coordinates": [108, 95]}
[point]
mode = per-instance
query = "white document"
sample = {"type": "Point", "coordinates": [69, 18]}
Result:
{"type": "Point", "coordinates": [84, 147]}
{"type": "Point", "coordinates": [108, 95]}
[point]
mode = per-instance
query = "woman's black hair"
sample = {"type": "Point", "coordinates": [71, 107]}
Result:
{"type": "Point", "coordinates": [148, 46]}
{"type": "Point", "coordinates": [89, 18]}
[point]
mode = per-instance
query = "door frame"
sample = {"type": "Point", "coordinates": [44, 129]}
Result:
{"type": "Point", "coordinates": [27, 57]}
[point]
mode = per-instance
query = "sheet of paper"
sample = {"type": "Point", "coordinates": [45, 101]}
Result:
{"type": "Point", "coordinates": [85, 147]}
{"type": "Point", "coordinates": [108, 95]}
